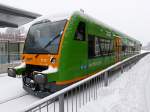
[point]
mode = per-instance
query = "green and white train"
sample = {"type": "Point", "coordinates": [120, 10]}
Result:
{"type": "Point", "coordinates": [61, 51]}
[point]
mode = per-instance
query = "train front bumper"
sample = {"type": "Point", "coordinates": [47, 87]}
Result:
{"type": "Point", "coordinates": [40, 94]}
{"type": "Point", "coordinates": [36, 85]}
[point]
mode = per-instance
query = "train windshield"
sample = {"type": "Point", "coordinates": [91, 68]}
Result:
{"type": "Point", "coordinates": [44, 37]}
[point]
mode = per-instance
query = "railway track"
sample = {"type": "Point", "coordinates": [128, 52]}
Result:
{"type": "Point", "coordinates": [11, 99]}
{"type": "Point", "coordinates": [17, 103]}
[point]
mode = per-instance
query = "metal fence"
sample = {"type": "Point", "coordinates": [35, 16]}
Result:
{"type": "Point", "coordinates": [71, 98]}
{"type": "Point", "coordinates": [10, 60]}
{"type": "Point", "coordinates": [10, 51]}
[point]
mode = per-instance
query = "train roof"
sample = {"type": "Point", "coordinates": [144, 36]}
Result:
{"type": "Point", "coordinates": [114, 31]}
{"type": "Point", "coordinates": [61, 16]}
{"type": "Point", "coordinates": [52, 17]}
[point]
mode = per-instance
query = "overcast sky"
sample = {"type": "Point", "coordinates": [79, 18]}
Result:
{"type": "Point", "coordinates": [129, 16]}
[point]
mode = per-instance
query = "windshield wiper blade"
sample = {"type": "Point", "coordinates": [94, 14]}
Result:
{"type": "Point", "coordinates": [43, 48]}
{"type": "Point", "coordinates": [53, 40]}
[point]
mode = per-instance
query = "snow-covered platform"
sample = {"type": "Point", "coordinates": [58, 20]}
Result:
{"type": "Point", "coordinates": [12, 95]}
{"type": "Point", "coordinates": [128, 93]}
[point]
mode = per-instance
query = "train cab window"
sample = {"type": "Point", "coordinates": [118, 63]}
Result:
{"type": "Point", "coordinates": [80, 32]}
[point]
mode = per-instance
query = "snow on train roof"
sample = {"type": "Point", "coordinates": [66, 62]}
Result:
{"type": "Point", "coordinates": [62, 16]}
{"type": "Point", "coordinates": [53, 17]}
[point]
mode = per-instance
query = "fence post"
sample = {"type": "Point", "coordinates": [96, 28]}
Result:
{"type": "Point", "coordinates": [8, 47]}
{"type": "Point", "coordinates": [106, 79]}
{"type": "Point", "coordinates": [121, 68]}
{"type": "Point", "coordinates": [136, 59]}
{"type": "Point", "coordinates": [61, 103]}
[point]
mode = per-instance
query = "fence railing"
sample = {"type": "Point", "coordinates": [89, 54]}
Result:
{"type": "Point", "coordinates": [71, 98]}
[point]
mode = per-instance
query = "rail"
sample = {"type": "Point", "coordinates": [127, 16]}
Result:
{"type": "Point", "coordinates": [71, 98]}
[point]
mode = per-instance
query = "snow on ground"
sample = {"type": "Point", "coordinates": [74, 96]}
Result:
{"type": "Point", "coordinates": [17, 104]}
{"type": "Point", "coordinates": [10, 88]}
{"type": "Point", "coordinates": [3, 75]}
{"type": "Point", "coordinates": [143, 51]}
{"type": "Point", "coordinates": [128, 93]}
{"type": "Point", "coordinates": [12, 94]}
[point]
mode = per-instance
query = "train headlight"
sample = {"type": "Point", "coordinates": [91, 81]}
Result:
{"type": "Point", "coordinates": [53, 60]}
{"type": "Point", "coordinates": [11, 72]}
{"type": "Point", "coordinates": [40, 78]}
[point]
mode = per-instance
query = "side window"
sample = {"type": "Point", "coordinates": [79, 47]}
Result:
{"type": "Point", "coordinates": [124, 48]}
{"type": "Point", "coordinates": [80, 32]}
{"type": "Point", "coordinates": [98, 46]}
{"type": "Point", "coordinates": [91, 46]}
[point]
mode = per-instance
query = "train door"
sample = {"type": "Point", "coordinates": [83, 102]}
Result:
{"type": "Point", "coordinates": [117, 47]}
{"type": "Point", "coordinates": [81, 46]}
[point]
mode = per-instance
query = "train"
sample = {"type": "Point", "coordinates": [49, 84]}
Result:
{"type": "Point", "coordinates": [60, 51]}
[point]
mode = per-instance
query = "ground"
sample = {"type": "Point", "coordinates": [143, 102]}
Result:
{"type": "Point", "coordinates": [128, 93]}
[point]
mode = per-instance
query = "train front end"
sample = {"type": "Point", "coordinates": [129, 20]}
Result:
{"type": "Point", "coordinates": [40, 58]}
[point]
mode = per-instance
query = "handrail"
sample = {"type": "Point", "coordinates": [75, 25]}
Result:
{"type": "Point", "coordinates": [61, 93]}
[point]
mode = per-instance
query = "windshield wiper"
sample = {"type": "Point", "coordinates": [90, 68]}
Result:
{"type": "Point", "coordinates": [53, 39]}
{"type": "Point", "coordinates": [43, 48]}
